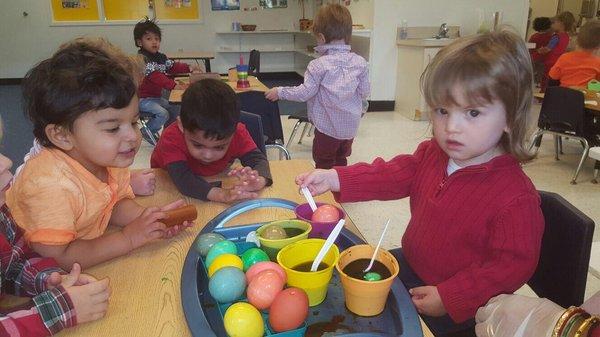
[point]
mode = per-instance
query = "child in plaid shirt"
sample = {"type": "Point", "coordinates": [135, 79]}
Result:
{"type": "Point", "coordinates": [59, 300]}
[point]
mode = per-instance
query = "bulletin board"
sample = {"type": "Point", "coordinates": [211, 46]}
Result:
{"type": "Point", "coordinates": [125, 10]}
{"type": "Point", "coordinates": [177, 9]}
{"type": "Point", "coordinates": [83, 10]}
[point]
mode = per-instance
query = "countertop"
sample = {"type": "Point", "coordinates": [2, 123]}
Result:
{"type": "Point", "coordinates": [425, 43]}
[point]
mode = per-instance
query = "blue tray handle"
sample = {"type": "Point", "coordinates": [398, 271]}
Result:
{"type": "Point", "coordinates": [243, 207]}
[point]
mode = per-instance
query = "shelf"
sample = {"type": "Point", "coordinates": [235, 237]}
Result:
{"type": "Point", "coordinates": [307, 53]}
{"type": "Point", "coordinates": [263, 32]}
{"type": "Point", "coordinates": [260, 50]}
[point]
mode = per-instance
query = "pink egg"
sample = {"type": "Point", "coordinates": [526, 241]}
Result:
{"type": "Point", "coordinates": [264, 288]}
{"type": "Point", "coordinates": [289, 310]}
{"type": "Point", "coordinates": [326, 213]}
{"type": "Point", "coordinates": [265, 265]}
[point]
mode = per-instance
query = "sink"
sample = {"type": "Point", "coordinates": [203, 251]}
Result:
{"type": "Point", "coordinates": [437, 39]}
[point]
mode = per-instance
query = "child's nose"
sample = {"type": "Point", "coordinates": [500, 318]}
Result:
{"type": "Point", "coordinates": [453, 123]}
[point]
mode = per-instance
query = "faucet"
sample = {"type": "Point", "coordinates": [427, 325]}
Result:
{"type": "Point", "coordinates": [443, 32]}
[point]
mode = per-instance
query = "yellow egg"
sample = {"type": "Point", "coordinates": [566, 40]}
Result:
{"type": "Point", "coordinates": [243, 320]}
{"type": "Point", "coordinates": [225, 260]}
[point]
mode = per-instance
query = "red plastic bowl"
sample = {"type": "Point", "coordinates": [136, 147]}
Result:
{"type": "Point", "coordinates": [319, 229]}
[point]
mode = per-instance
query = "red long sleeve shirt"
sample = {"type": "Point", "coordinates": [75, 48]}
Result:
{"type": "Point", "coordinates": [156, 78]}
{"type": "Point", "coordinates": [474, 234]}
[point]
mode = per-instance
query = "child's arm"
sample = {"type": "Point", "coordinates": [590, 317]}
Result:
{"type": "Point", "coordinates": [364, 86]}
{"type": "Point", "coordinates": [195, 186]}
{"type": "Point", "coordinates": [178, 68]}
{"type": "Point", "coordinates": [161, 80]}
{"type": "Point", "coordinates": [256, 172]}
{"type": "Point", "coordinates": [303, 92]}
{"type": "Point", "coordinates": [556, 71]}
{"type": "Point", "coordinates": [513, 250]}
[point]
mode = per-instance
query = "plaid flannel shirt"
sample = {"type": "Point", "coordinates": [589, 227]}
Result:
{"type": "Point", "coordinates": [26, 272]}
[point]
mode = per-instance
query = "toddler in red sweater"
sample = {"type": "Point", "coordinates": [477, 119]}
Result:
{"type": "Point", "coordinates": [476, 224]}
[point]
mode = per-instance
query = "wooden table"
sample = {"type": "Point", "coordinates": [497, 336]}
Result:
{"type": "Point", "coordinates": [589, 96]}
{"type": "Point", "coordinates": [145, 298]}
{"type": "Point", "coordinates": [255, 85]}
{"type": "Point", "coordinates": [205, 56]}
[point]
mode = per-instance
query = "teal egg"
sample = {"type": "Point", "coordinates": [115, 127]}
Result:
{"type": "Point", "coordinates": [253, 256]}
{"type": "Point", "coordinates": [227, 284]}
{"type": "Point", "coordinates": [220, 248]}
{"type": "Point", "coordinates": [372, 276]}
{"type": "Point", "coordinates": [205, 242]}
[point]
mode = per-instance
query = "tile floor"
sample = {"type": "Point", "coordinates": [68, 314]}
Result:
{"type": "Point", "coordinates": [386, 134]}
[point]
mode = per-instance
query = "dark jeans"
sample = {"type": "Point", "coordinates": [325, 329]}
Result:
{"type": "Point", "coordinates": [440, 326]}
{"type": "Point", "coordinates": [329, 152]}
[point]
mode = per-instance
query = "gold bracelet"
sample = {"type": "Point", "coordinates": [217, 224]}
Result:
{"type": "Point", "coordinates": [560, 324]}
{"type": "Point", "coordinates": [574, 323]}
{"type": "Point", "coordinates": [586, 326]}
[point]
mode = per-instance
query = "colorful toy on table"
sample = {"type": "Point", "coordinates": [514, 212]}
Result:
{"type": "Point", "coordinates": [227, 284]}
{"type": "Point", "coordinates": [326, 213]}
{"type": "Point", "coordinates": [289, 310]}
{"type": "Point", "coordinates": [218, 249]}
{"type": "Point", "coordinates": [205, 242]}
{"type": "Point", "coordinates": [243, 320]}
{"type": "Point", "coordinates": [263, 289]}
{"type": "Point", "coordinates": [320, 229]}
{"type": "Point", "coordinates": [252, 256]}
{"type": "Point", "coordinates": [242, 74]}
{"type": "Point", "coordinates": [225, 260]}
{"type": "Point", "coordinates": [179, 215]}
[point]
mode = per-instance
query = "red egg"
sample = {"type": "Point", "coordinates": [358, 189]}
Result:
{"type": "Point", "coordinates": [289, 310]}
{"type": "Point", "coordinates": [326, 213]}
{"type": "Point", "coordinates": [262, 266]}
{"type": "Point", "coordinates": [264, 288]}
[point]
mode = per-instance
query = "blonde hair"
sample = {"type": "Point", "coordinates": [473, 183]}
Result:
{"type": "Point", "coordinates": [568, 20]}
{"type": "Point", "coordinates": [488, 67]}
{"type": "Point", "coordinates": [334, 22]}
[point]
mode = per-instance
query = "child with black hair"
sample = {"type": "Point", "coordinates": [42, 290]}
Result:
{"type": "Point", "coordinates": [206, 139]}
{"type": "Point", "coordinates": [542, 37]}
{"type": "Point", "coordinates": [147, 37]}
{"type": "Point", "coordinates": [84, 108]}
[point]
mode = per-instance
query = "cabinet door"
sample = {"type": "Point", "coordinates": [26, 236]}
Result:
{"type": "Point", "coordinates": [428, 55]}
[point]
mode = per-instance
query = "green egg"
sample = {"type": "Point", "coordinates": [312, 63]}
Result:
{"type": "Point", "coordinates": [218, 249]}
{"type": "Point", "coordinates": [253, 256]}
{"type": "Point", "coordinates": [372, 276]}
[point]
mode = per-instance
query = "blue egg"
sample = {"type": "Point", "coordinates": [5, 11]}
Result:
{"type": "Point", "coordinates": [205, 242]}
{"type": "Point", "coordinates": [220, 248]}
{"type": "Point", "coordinates": [227, 284]}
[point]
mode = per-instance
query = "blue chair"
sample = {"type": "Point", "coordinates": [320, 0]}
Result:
{"type": "Point", "coordinates": [253, 123]}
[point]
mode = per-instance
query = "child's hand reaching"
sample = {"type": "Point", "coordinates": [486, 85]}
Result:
{"type": "Point", "coordinates": [145, 228]}
{"type": "Point", "coordinates": [428, 301]}
{"type": "Point", "coordinates": [229, 195]}
{"type": "Point", "coordinates": [319, 181]}
{"type": "Point", "coordinates": [90, 300]}
{"type": "Point", "coordinates": [143, 182]}
{"type": "Point", "coordinates": [272, 94]}
{"type": "Point", "coordinates": [171, 232]}
{"type": "Point", "coordinates": [74, 277]}
{"type": "Point", "coordinates": [248, 179]}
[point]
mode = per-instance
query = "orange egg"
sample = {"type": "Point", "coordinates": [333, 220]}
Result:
{"type": "Point", "coordinates": [289, 310]}
{"type": "Point", "coordinates": [326, 213]}
{"type": "Point", "coordinates": [263, 288]}
{"type": "Point", "coordinates": [262, 266]}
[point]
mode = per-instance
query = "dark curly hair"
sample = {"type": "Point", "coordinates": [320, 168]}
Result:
{"type": "Point", "coordinates": [143, 27]}
{"type": "Point", "coordinates": [211, 106]}
{"type": "Point", "coordinates": [542, 24]}
{"type": "Point", "coordinates": [81, 76]}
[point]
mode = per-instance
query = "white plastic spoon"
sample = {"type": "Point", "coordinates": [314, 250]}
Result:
{"type": "Point", "coordinates": [378, 245]}
{"type": "Point", "coordinates": [328, 243]}
{"type": "Point", "coordinates": [309, 198]}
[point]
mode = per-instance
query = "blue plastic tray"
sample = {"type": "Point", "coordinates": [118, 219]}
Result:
{"type": "Point", "coordinates": [330, 318]}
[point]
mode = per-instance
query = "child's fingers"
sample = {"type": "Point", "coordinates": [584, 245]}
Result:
{"type": "Point", "coordinates": [174, 205]}
{"type": "Point", "coordinates": [419, 291]}
{"type": "Point", "coordinates": [97, 287]}
{"type": "Point", "coordinates": [100, 297]}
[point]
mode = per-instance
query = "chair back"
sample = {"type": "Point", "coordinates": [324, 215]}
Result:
{"type": "Point", "coordinates": [254, 63]}
{"type": "Point", "coordinates": [561, 273]}
{"type": "Point", "coordinates": [256, 103]}
{"type": "Point", "coordinates": [563, 110]}
{"type": "Point", "coordinates": [254, 125]}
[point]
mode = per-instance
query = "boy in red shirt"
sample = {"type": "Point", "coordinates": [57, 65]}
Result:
{"type": "Point", "coordinates": [577, 68]}
{"type": "Point", "coordinates": [206, 139]}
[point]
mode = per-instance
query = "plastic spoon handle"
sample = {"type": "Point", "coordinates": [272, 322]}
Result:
{"type": "Point", "coordinates": [378, 245]}
{"type": "Point", "coordinates": [309, 198]}
{"type": "Point", "coordinates": [328, 243]}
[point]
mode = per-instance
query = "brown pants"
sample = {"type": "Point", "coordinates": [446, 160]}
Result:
{"type": "Point", "coordinates": [329, 152]}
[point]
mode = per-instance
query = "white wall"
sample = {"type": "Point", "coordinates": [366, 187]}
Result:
{"type": "Point", "coordinates": [28, 40]}
{"type": "Point", "coordinates": [540, 8]}
{"type": "Point", "coordinates": [388, 14]}
{"type": "Point", "coordinates": [362, 12]}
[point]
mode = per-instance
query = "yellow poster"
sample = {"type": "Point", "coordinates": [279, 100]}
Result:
{"type": "Point", "coordinates": [177, 9]}
{"type": "Point", "coordinates": [75, 10]}
{"type": "Point", "coordinates": [125, 10]}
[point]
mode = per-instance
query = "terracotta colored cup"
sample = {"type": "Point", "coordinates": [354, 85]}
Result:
{"type": "Point", "coordinates": [319, 229]}
{"type": "Point", "coordinates": [366, 298]}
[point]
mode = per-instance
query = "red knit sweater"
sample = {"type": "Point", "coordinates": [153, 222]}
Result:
{"type": "Point", "coordinates": [474, 235]}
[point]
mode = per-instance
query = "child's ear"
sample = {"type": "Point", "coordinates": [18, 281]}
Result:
{"type": "Point", "coordinates": [138, 43]}
{"type": "Point", "coordinates": [320, 38]}
{"type": "Point", "coordinates": [60, 136]}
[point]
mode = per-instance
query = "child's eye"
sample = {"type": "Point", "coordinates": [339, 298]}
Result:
{"type": "Point", "coordinates": [441, 111]}
{"type": "Point", "coordinates": [474, 113]}
{"type": "Point", "coordinates": [113, 130]}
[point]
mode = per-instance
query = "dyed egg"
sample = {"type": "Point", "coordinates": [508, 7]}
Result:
{"type": "Point", "coordinates": [262, 266]}
{"type": "Point", "coordinates": [227, 284]}
{"type": "Point", "coordinates": [289, 310]}
{"type": "Point", "coordinates": [225, 260]}
{"type": "Point", "coordinates": [264, 287]}
{"type": "Point", "coordinates": [205, 242]}
{"type": "Point", "coordinates": [243, 320]}
{"type": "Point", "coordinates": [220, 248]}
{"type": "Point", "coordinates": [326, 213]}
{"type": "Point", "coordinates": [252, 256]}
{"type": "Point", "coordinates": [273, 232]}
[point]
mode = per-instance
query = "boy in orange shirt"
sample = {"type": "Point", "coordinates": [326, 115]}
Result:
{"type": "Point", "coordinates": [577, 68]}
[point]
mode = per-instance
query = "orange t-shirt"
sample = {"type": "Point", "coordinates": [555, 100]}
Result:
{"type": "Point", "coordinates": [56, 200]}
{"type": "Point", "coordinates": [576, 68]}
